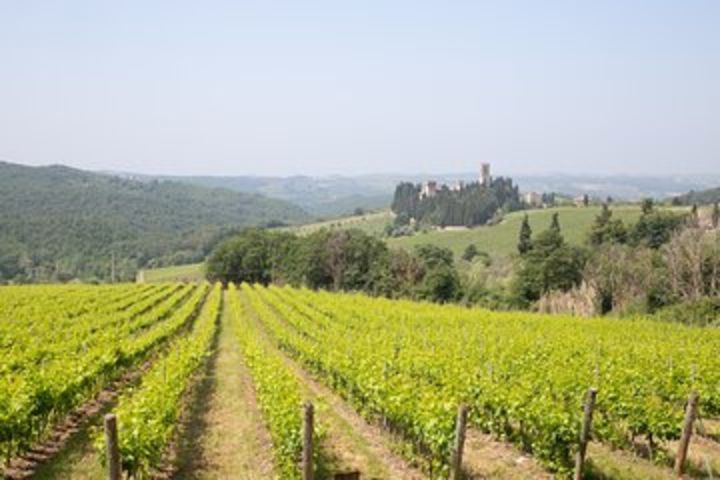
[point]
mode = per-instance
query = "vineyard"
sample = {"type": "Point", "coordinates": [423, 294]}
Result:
{"type": "Point", "coordinates": [201, 381]}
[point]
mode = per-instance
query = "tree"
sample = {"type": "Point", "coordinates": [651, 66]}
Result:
{"type": "Point", "coordinates": [606, 229]}
{"type": "Point", "coordinates": [694, 218]}
{"type": "Point", "coordinates": [525, 236]}
{"type": "Point", "coordinates": [647, 206]}
{"type": "Point", "coordinates": [655, 228]}
{"type": "Point", "coordinates": [440, 282]}
{"type": "Point", "coordinates": [555, 224]}
{"type": "Point", "coordinates": [471, 251]}
{"type": "Point", "coordinates": [549, 265]}
{"type": "Point", "coordinates": [244, 258]}
{"type": "Point", "coordinates": [715, 219]}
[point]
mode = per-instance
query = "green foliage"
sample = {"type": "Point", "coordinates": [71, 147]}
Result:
{"type": "Point", "coordinates": [339, 260]}
{"type": "Point", "coordinates": [500, 240]}
{"type": "Point", "coordinates": [555, 223]}
{"type": "Point", "coordinates": [441, 282]}
{"type": "Point", "coordinates": [606, 229]}
{"type": "Point", "coordinates": [278, 390]}
{"type": "Point", "coordinates": [523, 375]}
{"type": "Point", "coordinates": [647, 206]}
{"type": "Point", "coordinates": [703, 312]}
{"type": "Point", "coordinates": [148, 415]}
{"type": "Point", "coordinates": [525, 236]}
{"type": "Point", "coordinates": [60, 223]}
{"type": "Point", "coordinates": [471, 251]}
{"type": "Point", "coordinates": [246, 257]}
{"type": "Point", "coordinates": [551, 264]}
{"type": "Point", "coordinates": [655, 228]}
{"type": "Point", "coordinates": [715, 217]}
{"type": "Point", "coordinates": [65, 343]}
{"type": "Point", "coordinates": [703, 197]}
{"type": "Point", "coordinates": [474, 204]}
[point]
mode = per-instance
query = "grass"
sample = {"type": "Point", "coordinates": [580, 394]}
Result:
{"type": "Point", "coordinates": [501, 239]}
{"type": "Point", "coordinates": [225, 435]}
{"type": "Point", "coordinates": [180, 273]}
{"type": "Point", "coordinates": [371, 223]}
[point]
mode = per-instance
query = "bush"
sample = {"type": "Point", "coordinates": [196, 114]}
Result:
{"type": "Point", "coordinates": [702, 312]}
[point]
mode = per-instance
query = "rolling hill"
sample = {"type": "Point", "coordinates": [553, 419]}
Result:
{"type": "Point", "coordinates": [702, 197]}
{"type": "Point", "coordinates": [59, 223]}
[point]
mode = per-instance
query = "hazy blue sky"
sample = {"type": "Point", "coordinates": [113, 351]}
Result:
{"type": "Point", "coordinates": [268, 87]}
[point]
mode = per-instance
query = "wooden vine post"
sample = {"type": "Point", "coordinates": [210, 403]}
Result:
{"type": "Point", "coordinates": [307, 453]}
{"type": "Point", "coordinates": [585, 432]}
{"type": "Point", "coordinates": [112, 448]}
{"type": "Point", "coordinates": [457, 454]}
{"type": "Point", "coordinates": [690, 414]}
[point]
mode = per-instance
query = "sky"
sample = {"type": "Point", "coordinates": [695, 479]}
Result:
{"type": "Point", "coordinates": [353, 87]}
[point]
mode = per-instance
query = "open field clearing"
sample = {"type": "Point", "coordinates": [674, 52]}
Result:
{"type": "Point", "coordinates": [181, 273]}
{"type": "Point", "coordinates": [371, 222]}
{"type": "Point", "coordinates": [210, 384]}
{"type": "Point", "coordinates": [501, 239]}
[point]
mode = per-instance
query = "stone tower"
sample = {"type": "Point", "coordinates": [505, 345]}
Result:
{"type": "Point", "coordinates": [485, 174]}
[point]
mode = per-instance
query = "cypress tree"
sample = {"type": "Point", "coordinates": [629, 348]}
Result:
{"type": "Point", "coordinates": [694, 218]}
{"type": "Point", "coordinates": [525, 237]}
{"type": "Point", "coordinates": [555, 225]}
{"type": "Point", "coordinates": [716, 215]}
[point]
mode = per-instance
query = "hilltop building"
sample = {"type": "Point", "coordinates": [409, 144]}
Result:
{"type": "Point", "coordinates": [429, 189]}
{"type": "Point", "coordinates": [533, 199]}
{"type": "Point", "coordinates": [582, 200]}
{"type": "Point", "coordinates": [485, 177]}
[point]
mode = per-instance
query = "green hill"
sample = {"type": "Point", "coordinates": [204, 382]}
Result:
{"type": "Point", "coordinates": [702, 197]}
{"type": "Point", "coordinates": [501, 239]}
{"type": "Point", "coordinates": [58, 223]}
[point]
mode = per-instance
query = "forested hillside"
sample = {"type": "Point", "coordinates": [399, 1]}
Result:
{"type": "Point", "coordinates": [473, 204]}
{"type": "Point", "coordinates": [702, 197]}
{"type": "Point", "coordinates": [59, 223]}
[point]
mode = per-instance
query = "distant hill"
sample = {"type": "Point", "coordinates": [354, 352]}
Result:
{"type": "Point", "coordinates": [702, 197]}
{"type": "Point", "coordinates": [336, 195]}
{"type": "Point", "coordinates": [331, 196]}
{"type": "Point", "coordinates": [58, 223]}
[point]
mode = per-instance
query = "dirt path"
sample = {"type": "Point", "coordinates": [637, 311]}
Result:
{"type": "Point", "coordinates": [225, 436]}
{"type": "Point", "coordinates": [485, 457]}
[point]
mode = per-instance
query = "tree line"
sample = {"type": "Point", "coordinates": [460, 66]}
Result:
{"type": "Point", "coordinates": [666, 264]}
{"type": "Point", "coordinates": [338, 260]}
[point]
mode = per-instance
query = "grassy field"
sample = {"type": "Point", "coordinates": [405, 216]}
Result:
{"type": "Point", "coordinates": [501, 239]}
{"type": "Point", "coordinates": [372, 223]}
{"type": "Point", "coordinates": [180, 273]}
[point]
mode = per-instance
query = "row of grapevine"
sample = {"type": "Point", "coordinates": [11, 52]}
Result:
{"type": "Point", "coordinates": [148, 415]}
{"type": "Point", "coordinates": [68, 301]}
{"type": "Point", "coordinates": [278, 390]}
{"type": "Point", "coordinates": [42, 385]}
{"type": "Point", "coordinates": [39, 343]}
{"type": "Point", "coordinates": [523, 375]}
